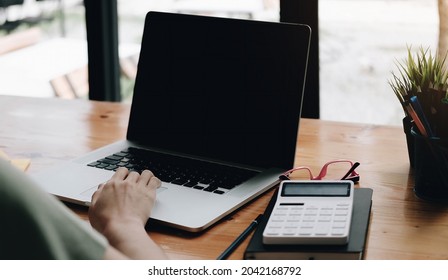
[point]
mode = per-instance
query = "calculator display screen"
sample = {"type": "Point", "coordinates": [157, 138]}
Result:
{"type": "Point", "coordinates": [316, 189]}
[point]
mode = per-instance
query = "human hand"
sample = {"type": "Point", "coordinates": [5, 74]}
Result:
{"type": "Point", "coordinates": [125, 200]}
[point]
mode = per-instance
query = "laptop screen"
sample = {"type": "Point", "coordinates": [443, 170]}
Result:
{"type": "Point", "coordinates": [223, 89]}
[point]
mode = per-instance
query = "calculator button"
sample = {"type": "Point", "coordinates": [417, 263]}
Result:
{"type": "Point", "coordinates": [273, 231]}
{"type": "Point", "coordinates": [324, 219]}
{"type": "Point", "coordinates": [296, 212]}
{"type": "Point", "coordinates": [276, 224]}
{"type": "Point", "coordinates": [310, 213]}
{"type": "Point", "coordinates": [289, 231]}
{"type": "Point", "coordinates": [307, 224]}
{"type": "Point", "coordinates": [305, 231]}
{"type": "Point", "coordinates": [341, 213]}
{"type": "Point", "coordinates": [340, 219]}
{"type": "Point", "coordinates": [322, 229]}
{"type": "Point", "coordinates": [280, 213]}
{"type": "Point", "coordinates": [339, 225]}
{"type": "Point", "coordinates": [337, 231]}
{"type": "Point", "coordinates": [343, 204]}
{"type": "Point", "coordinates": [309, 220]}
{"type": "Point", "coordinates": [292, 224]}
{"type": "Point", "coordinates": [325, 212]}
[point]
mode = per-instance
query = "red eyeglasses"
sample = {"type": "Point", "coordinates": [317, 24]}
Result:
{"type": "Point", "coordinates": [351, 174]}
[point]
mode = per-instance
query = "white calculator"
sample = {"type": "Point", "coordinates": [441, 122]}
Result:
{"type": "Point", "coordinates": [311, 213]}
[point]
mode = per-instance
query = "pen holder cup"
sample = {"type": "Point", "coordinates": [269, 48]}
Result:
{"type": "Point", "coordinates": [430, 168]}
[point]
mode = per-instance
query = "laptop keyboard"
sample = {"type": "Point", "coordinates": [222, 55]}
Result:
{"type": "Point", "coordinates": [186, 172]}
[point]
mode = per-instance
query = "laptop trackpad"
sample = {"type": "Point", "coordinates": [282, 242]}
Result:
{"type": "Point", "coordinates": [87, 195]}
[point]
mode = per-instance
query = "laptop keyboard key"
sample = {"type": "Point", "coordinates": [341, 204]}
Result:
{"type": "Point", "coordinates": [210, 188]}
{"type": "Point", "coordinates": [179, 181]}
{"type": "Point", "coordinates": [190, 184]}
{"type": "Point", "coordinates": [102, 165]}
{"type": "Point", "coordinates": [227, 187]}
{"type": "Point", "coordinates": [109, 161]}
{"type": "Point", "coordinates": [121, 154]}
{"type": "Point", "coordinates": [111, 167]}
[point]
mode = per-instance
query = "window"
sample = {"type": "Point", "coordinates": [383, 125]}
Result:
{"type": "Point", "coordinates": [43, 48]}
{"type": "Point", "coordinates": [360, 40]}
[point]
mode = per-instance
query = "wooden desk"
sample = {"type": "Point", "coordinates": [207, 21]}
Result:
{"type": "Point", "coordinates": [402, 227]}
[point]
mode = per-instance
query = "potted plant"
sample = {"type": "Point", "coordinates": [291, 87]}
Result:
{"type": "Point", "coordinates": [422, 89]}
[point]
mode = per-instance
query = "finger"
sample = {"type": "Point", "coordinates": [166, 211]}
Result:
{"type": "Point", "coordinates": [145, 177]}
{"type": "Point", "coordinates": [96, 194]}
{"type": "Point", "coordinates": [132, 177]}
{"type": "Point", "coordinates": [154, 182]}
{"type": "Point", "coordinates": [121, 173]}
{"type": "Point", "coordinates": [100, 186]}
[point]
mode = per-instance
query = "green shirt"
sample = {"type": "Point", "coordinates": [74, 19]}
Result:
{"type": "Point", "coordinates": [35, 225]}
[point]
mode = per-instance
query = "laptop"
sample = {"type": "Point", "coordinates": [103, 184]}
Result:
{"type": "Point", "coordinates": [215, 115]}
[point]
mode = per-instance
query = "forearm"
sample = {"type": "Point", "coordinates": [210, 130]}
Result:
{"type": "Point", "coordinates": [132, 240]}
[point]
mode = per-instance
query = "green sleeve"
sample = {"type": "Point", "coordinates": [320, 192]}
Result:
{"type": "Point", "coordinates": [35, 225]}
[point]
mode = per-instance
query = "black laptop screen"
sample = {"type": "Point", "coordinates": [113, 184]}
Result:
{"type": "Point", "coordinates": [220, 88]}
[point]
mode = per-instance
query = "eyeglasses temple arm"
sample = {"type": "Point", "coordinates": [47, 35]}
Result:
{"type": "Point", "coordinates": [285, 176]}
{"type": "Point", "coordinates": [351, 170]}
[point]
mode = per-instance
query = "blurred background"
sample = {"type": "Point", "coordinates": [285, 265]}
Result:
{"type": "Point", "coordinates": [43, 49]}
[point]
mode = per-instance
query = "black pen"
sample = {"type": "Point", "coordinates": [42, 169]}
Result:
{"type": "Point", "coordinates": [240, 238]}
